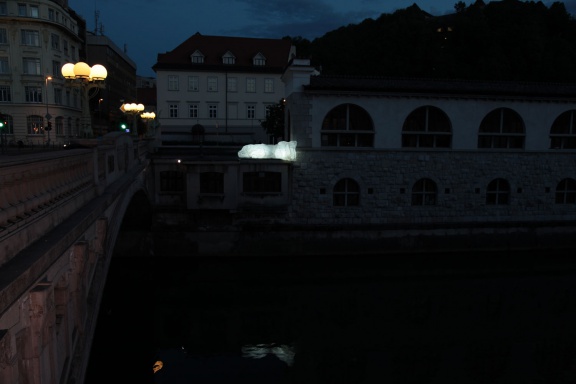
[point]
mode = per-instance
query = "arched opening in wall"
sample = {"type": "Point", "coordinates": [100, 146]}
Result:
{"type": "Point", "coordinates": [138, 214]}
{"type": "Point", "coordinates": [124, 336]}
{"type": "Point", "coordinates": [133, 238]}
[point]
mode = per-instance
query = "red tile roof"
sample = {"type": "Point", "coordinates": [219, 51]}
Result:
{"type": "Point", "coordinates": [276, 51]}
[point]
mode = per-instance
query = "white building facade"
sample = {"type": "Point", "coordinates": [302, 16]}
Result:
{"type": "Point", "coordinates": [221, 87]}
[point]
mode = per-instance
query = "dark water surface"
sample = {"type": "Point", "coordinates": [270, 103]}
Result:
{"type": "Point", "coordinates": [429, 318]}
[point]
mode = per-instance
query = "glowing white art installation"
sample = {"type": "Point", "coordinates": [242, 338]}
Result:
{"type": "Point", "coordinates": [284, 150]}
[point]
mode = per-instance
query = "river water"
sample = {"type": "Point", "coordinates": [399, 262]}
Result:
{"type": "Point", "coordinates": [427, 318]}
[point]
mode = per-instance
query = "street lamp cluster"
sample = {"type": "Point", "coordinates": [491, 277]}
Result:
{"type": "Point", "coordinates": [136, 109]}
{"type": "Point", "coordinates": [87, 79]}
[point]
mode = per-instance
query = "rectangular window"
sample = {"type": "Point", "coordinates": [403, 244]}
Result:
{"type": "Point", "coordinates": [268, 85]}
{"type": "Point", "coordinates": [30, 37]}
{"type": "Point", "coordinates": [22, 10]}
{"type": "Point", "coordinates": [193, 83]}
{"type": "Point", "coordinates": [4, 68]}
{"type": "Point", "coordinates": [193, 111]}
{"type": "Point", "coordinates": [172, 82]}
{"type": "Point", "coordinates": [228, 60]}
{"type": "Point", "coordinates": [65, 46]}
{"type": "Point", "coordinates": [173, 110]}
{"type": "Point", "coordinates": [212, 182]}
{"type": "Point", "coordinates": [56, 68]}
{"type": "Point", "coordinates": [3, 8]}
{"type": "Point", "coordinates": [5, 93]}
{"type": "Point", "coordinates": [55, 42]}
{"type": "Point", "coordinates": [59, 126]}
{"type": "Point", "coordinates": [33, 11]}
{"type": "Point", "coordinates": [58, 96]}
{"type": "Point", "coordinates": [31, 66]}
{"type": "Point", "coordinates": [51, 15]}
{"type": "Point", "coordinates": [72, 48]}
{"type": "Point", "coordinates": [197, 59]}
{"type": "Point", "coordinates": [213, 111]}
{"type": "Point", "coordinates": [262, 182]}
{"type": "Point", "coordinates": [232, 84]}
{"type": "Point", "coordinates": [33, 94]}
{"type": "Point", "coordinates": [172, 181]}
{"type": "Point", "coordinates": [259, 61]}
{"type": "Point", "coordinates": [250, 111]}
{"type": "Point", "coordinates": [250, 85]}
{"type": "Point", "coordinates": [3, 36]}
{"type": "Point", "coordinates": [212, 84]}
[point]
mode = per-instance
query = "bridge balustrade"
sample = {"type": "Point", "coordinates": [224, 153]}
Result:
{"type": "Point", "coordinates": [38, 191]}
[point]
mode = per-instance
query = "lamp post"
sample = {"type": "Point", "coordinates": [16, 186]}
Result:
{"type": "Point", "coordinates": [87, 79]}
{"type": "Point", "coordinates": [148, 116]}
{"type": "Point", "coordinates": [48, 126]}
{"type": "Point", "coordinates": [134, 110]}
{"type": "Point", "coordinates": [100, 116]}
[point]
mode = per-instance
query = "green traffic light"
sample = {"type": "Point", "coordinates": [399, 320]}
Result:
{"type": "Point", "coordinates": [123, 126]}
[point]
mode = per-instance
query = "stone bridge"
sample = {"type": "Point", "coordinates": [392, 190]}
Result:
{"type": "Point", "coordinates": [60, 214]}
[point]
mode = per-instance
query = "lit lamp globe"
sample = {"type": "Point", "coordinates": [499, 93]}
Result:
{"type": "Point", "coordinates": [82, 70]}
{"type": "Point", "coordinates": [68, 71]}
{"type": "Point", "coordinates": [98, 72]}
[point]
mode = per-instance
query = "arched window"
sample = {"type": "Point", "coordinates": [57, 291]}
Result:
{"type": "Point", "coordinates": [68, 129]}
{"type": "Point", "coordinates": [498, 192]}
{"type": "Point", "coordinates": [347, 125]}
{"type": "Point", "coordinates": [9, 127]}
{"type": "Point", "coordinates": [346, 193]}
{"type": "Point", "coordinates": [563, 131]}
{"type": "Point", "coordinates": [35, 125]}
{"type": "Point", "coordinates": [427, 127]}
{"type": "Point", "coordinates": [501, 128]}
{"type": "Point", "coordinates": [59, 125]}
{"type": "Point", "coordinates": [424, 192]}
{"type": "Point", "coordinates": [76, 130]}
{"type": "Point", "coordinates": [566, 192]}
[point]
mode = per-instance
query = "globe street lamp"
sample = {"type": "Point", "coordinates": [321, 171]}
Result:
{"type": "Point", "coordinates": [134, 110]}
{"type": "Point", "coordinates": [89, 80]}
{"type": "Point", "coordinates": [148, 116]}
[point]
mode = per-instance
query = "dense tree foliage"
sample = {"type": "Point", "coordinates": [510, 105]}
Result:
{"type": "Point", "coordinates": [500, 40]}
{"type": "Point", "coordinates": [274, 123]}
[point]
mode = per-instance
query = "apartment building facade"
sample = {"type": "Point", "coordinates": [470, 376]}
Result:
{"type": "Point", "coordinates": [36, 39]}
{"type": "Point", "coordinates": [220, 88]}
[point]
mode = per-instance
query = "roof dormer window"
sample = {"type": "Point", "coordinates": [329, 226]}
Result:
{"type": "Point", "coordinates": [259, 60]}
{"type": "Point", "coordinates": [228, 58]}
{"type": "Point", "coordinates": [197, 57]}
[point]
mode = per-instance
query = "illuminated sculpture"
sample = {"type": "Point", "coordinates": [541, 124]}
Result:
{"type": "Point", "coordinates": [284, 150]}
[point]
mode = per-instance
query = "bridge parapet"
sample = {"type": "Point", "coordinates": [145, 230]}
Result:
{"type": "Point", "coordinates": [39, 191]}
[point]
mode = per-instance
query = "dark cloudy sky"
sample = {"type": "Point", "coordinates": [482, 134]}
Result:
{"type": "Point", "coordinates": [148, 27]}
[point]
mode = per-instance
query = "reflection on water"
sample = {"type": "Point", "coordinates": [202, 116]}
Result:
{"type": "Point", "coordinates": [284, 353]}
{"type": "Point", "coordinates": [499, 318]}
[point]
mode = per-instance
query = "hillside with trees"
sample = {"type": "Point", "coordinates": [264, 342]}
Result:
{"type": "Point", "coordinates": [500, 40]}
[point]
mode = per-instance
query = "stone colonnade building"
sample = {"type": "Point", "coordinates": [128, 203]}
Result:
{"type": "Point", "coordinates": [429, 155]}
